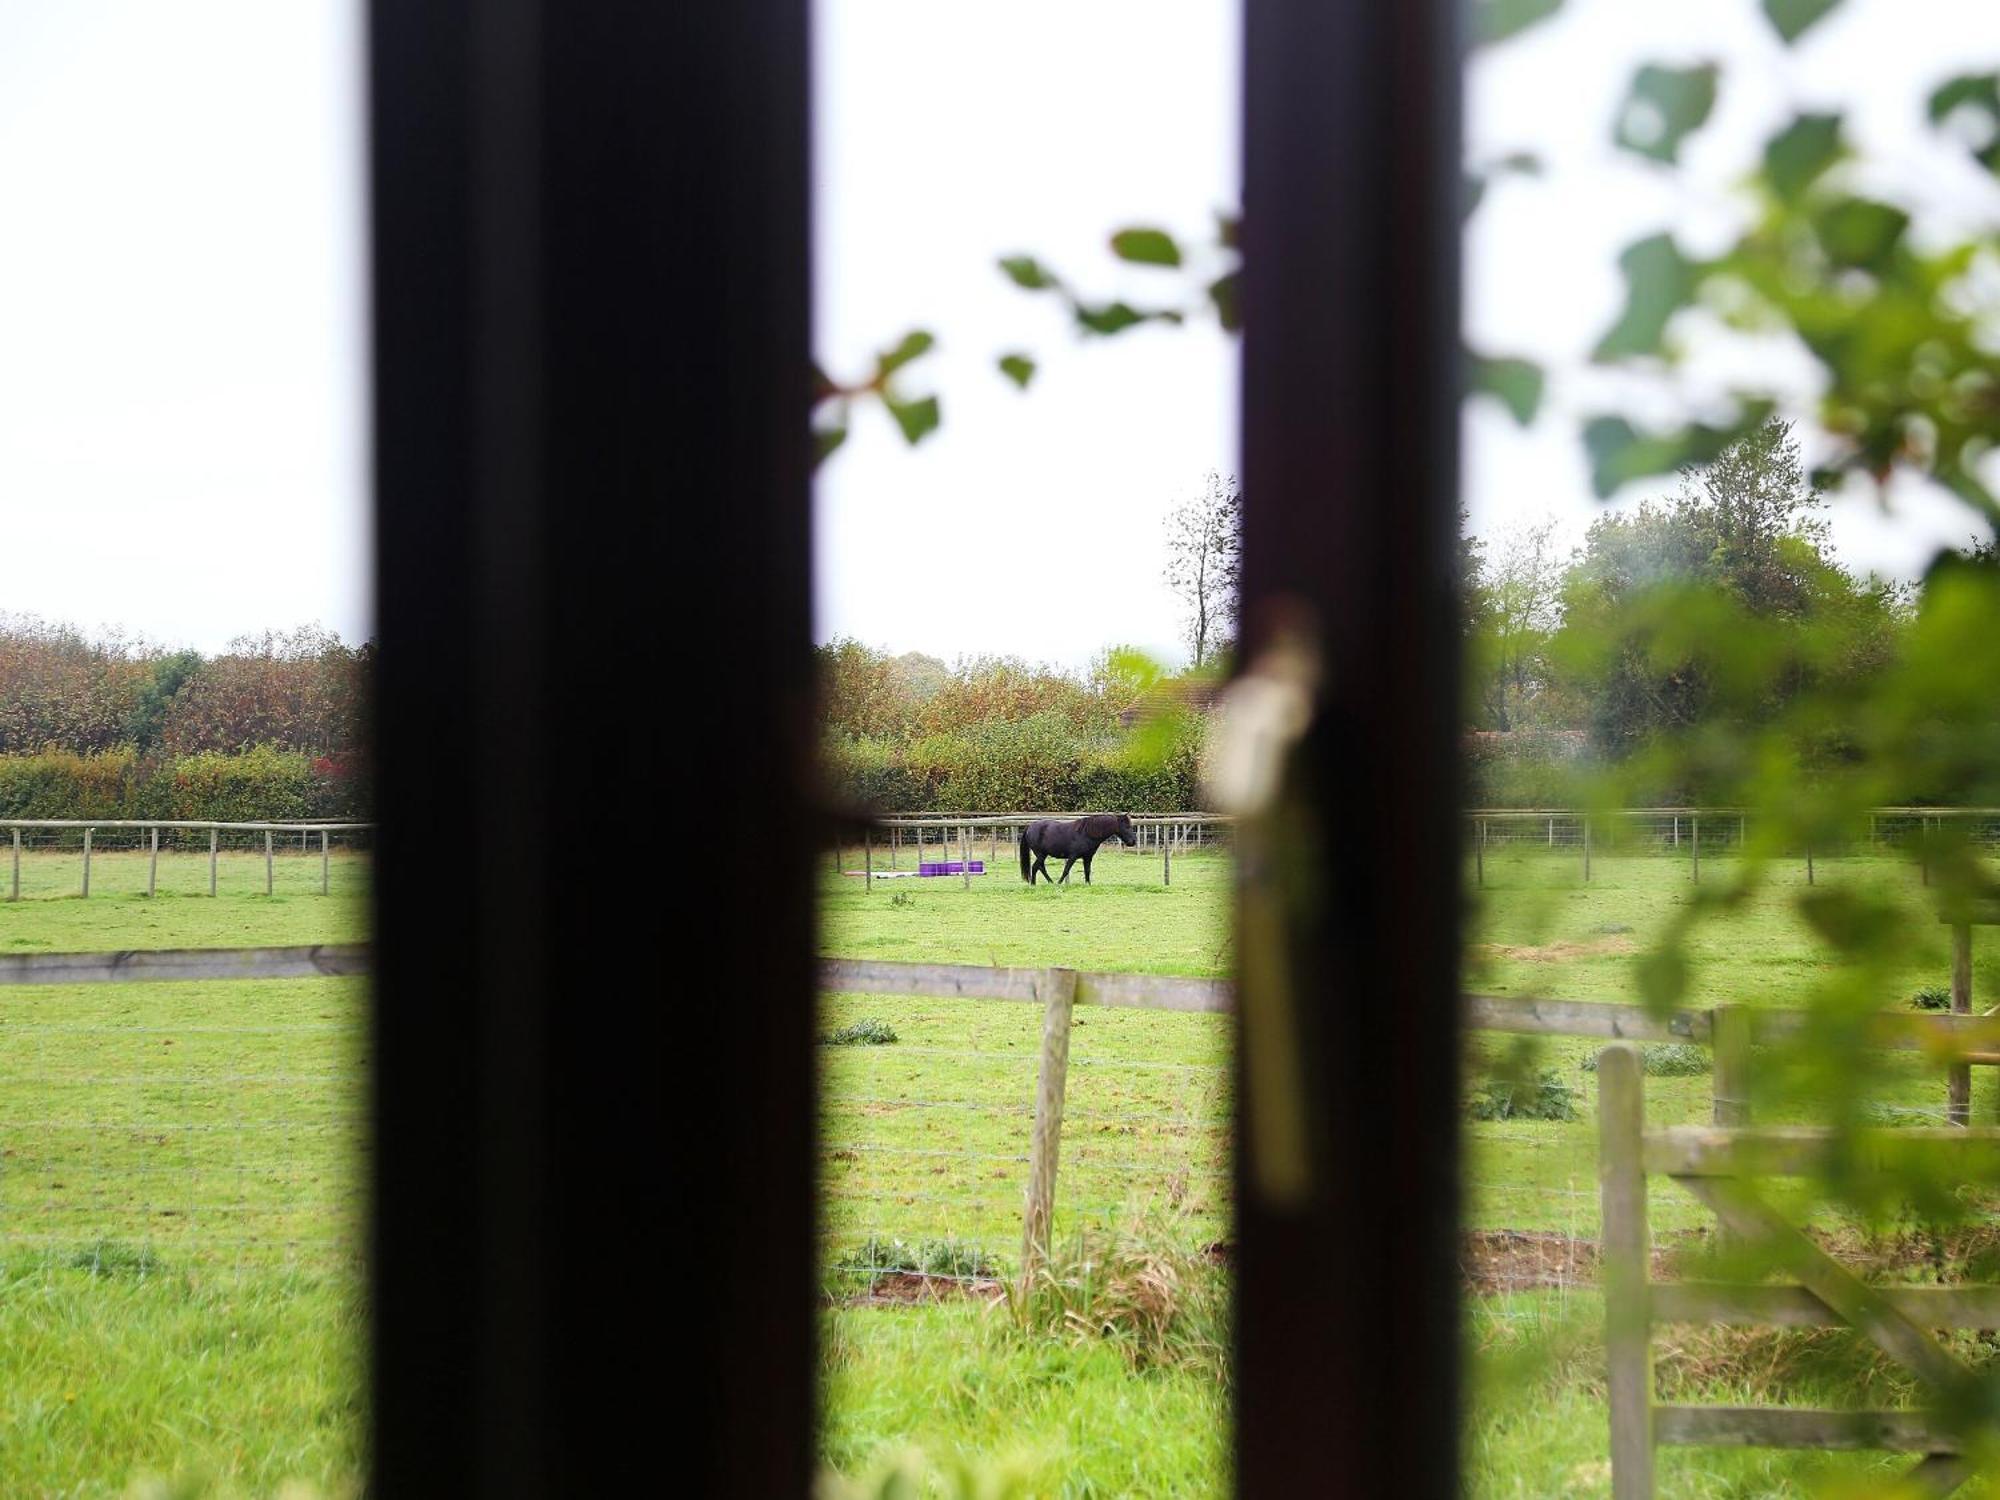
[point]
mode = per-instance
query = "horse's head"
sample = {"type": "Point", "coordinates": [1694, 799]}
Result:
{"type": "Point", "coordinates": [1126, 832]}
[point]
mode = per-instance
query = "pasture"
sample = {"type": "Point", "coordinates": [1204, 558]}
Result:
{"type": "Point", "coordinates": [924, 1171]}
{"type": "Point", "coordinates": [180, 1172]}
{"type": "Point", "coordinates": [180, 1169]}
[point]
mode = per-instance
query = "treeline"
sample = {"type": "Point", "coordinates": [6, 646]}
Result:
{"type": "Point", "coordinates": [275, 727]}
{"type": "Point", "coordinates": [1697, 648]}
{"type": "Point", "coordinates": [1696, 642]}
{"type": "Point", "coordinates": [911, 734]}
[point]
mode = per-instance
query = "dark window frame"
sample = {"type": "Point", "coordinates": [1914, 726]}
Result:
{"type": "Point", "coordinates": [593, 1104]}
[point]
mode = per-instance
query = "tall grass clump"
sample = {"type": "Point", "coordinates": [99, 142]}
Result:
{"type": "Point", "coordinates": [1141, 1290]}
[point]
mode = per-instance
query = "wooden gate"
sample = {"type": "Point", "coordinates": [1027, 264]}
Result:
{"type": "Point", "coordinates": [1719, 1167]}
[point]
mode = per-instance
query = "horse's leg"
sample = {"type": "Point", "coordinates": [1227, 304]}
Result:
{"type": "Point", "coordinates": [1086, 866]}
{"type": "Point", "coordinates": [1041, 867]}
{"type": "Point", "coordinates": [1071, 860]}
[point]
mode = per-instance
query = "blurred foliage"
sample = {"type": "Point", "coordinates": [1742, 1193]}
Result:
{"type": "Point", "coordinates": [1709, 644]}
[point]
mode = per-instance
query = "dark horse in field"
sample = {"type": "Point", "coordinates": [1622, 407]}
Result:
{"type": "Point", "coordinates": [1070, 841]}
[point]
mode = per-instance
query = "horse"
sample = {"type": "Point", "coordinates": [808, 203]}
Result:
{"type": "Point", "coordinates": [1070, 841]}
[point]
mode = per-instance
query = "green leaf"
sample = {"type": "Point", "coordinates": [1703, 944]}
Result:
{"type": "Point", "coordinates": [825, 440]}
{"type": "Point", "coordinates": [1662, 977]}
{"type": "Point", "coordinates": [1496, 20]}
{"type": "Point", "coordinates": [1116, 317]}
{"type": "Point", "coordinates": [1860, 232]}
{"type": "Point", "coordinates": [1975, 94]}
{"type": "Point", "coordinates": [918, 418]}
{"type": "Point", "coordinates": [1792, 17]}
{"type": "Point", "coordinates": [914, 345]}
{"type": "Point", "coordinates": [1018, 368]}
{"type": "Point", "coordinates": [1796, 155]}
{"type": "Point", "coordinates": [1146, 247]}
{"type": "Point", "coordinates": [1619, 453]}
{"type": "Point", "coordinates": [1515, 383]}
{"type": "Point", "coordinates": [1028, 273]}
{"type": "Point", "coordinates": [1662, 107]}
{"type": "Point", "coordinates": [1225, 292]}
{"type": "Point", "coordinates": [1659, 281]}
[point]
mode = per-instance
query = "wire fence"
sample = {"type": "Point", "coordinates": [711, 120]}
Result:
{"type": "Point", "coordinates": [926, 1141]}
{"type": "Point", "coordinates": [193, 1128]}
{"type": "Point", "coordinates": [52, 860]}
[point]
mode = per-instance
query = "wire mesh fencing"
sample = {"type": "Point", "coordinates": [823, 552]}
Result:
{"type": "Point", "coordinates": [201, 1129]}
{"type": "Point", "coordinates": [52, 861]}
{"type": "Point", "coordinates": [1529, 847]}
{"type": "Point", "coordinates": [928, 1112]}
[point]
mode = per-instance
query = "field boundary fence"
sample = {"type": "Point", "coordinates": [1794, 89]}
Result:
{"type": "Point", "coordinates": [142, 836]}
{"type": "Point", "coordinates": [1732, 1032]}
{"type": "Point", "coordinates": [1720, 1168]}
{"type": "Point", "coordinates": [1689, 833]}
{"type": "Point", "coordinates": [200, 1135]}
{"type": "Point", "coordinates": [1582, 834]}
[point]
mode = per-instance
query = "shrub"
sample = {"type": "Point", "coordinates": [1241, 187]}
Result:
{"type": "Point", "coordinates": [1931, 997]}
{"type": "Point", "coordinates": [1141, 1290]}
{"type": "Point", "coordinates": [63, 784]}
{"type": "Point", "coordinates": [1546, 1095]}
{"type": "Point", "coordinates": [865, 1033]}
{"type": "Point", "coordinates": [1665, 1060]}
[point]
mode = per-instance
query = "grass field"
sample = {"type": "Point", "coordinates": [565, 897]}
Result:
{"type": "Point", "coordinates": [179, 1191]}
{"type": "Point", "coordinates": [179, 1172]}
{"type": "Point", "coordinates": [925, 1139]}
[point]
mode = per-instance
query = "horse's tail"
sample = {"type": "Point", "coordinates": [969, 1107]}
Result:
{"type": "Point", "coordinates": [1027, 858]}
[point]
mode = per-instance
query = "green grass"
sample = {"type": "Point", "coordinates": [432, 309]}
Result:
{"type": "Point", "coordinates": [181, 1169]}
{"type": "Point", "coordinates": [925, 1140]}
{"type": "Point", "coordinates": [180, 1178]}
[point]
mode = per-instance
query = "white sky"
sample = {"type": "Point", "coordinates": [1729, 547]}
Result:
{"type": "Point", "coordinates": [183, 446]}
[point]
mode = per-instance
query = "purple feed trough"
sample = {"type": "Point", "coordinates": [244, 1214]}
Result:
{"type": "Point", "coordinates": [951, 867]}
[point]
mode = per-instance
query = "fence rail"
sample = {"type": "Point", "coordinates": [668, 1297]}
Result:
{"type": "Point", "coordinates": [1720, 1169]}
{"type": "Point", "coordinates": [268, 831]}
{"type": "Point", "coordinates": [1730, 1031]}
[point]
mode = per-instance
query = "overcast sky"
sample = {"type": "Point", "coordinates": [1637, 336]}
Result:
{"type": "Point", "coordinates": [182, 297]}
{"type": "Point", "coordinates": [182, 345]}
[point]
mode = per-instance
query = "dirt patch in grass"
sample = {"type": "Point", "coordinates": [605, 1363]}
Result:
{"type": "Point", "coordinates": [1555, 953]}
{"type": "Point", "coordinates": [899, 1288]}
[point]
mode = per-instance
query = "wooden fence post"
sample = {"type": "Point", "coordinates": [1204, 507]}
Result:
{"type": "Point", "coordinates": [1059, 995]}
{"type": "Point", "coordinates": [16, 890]}
{"type": "Point", "coordinates": [323, 862]}
{"type": "Point", "coordinates": [86, 864]}
{"type": "Point", "coordinates": [267, 861]}
{"type": "Point", "coordinates": [867, 860]}
{"type": "Point", "coordinates": [1958, 1086]}
{"type": "Point", "coordinates": [1586, 849]}
{"type": "Point", "coordinates": [1479, 854]}
{"type": "Point", "coordinates": [1809, 865]}
{"type": "Point", "coordinates": [965, 854]}
{"type": "Point", "coordinates": [211, 860]}
{"type": "Point", "coordinates": [1167, 861]}
{"type": "Point", "coordinates": [153, 865]}
{"type": "Point", "coordinates": [1621, 1177]}
{"type": "Point", "coordinates": [1729, 1038]}
{"type": "Point", "coordinates": [1694, 846]}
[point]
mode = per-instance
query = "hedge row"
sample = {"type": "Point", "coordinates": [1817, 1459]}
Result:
{"type": "Point", "coordinates": [264, 784]}
{"type": "Point", "coordinates": [1035, 764]}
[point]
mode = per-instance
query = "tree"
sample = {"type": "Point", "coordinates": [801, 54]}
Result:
{"type": "Point", "coordinates": [1513, 609]}
{"type": "Point", "coordinates": [1720, 606]}
{"type": "Point", "coordinates": [1204, 545]}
